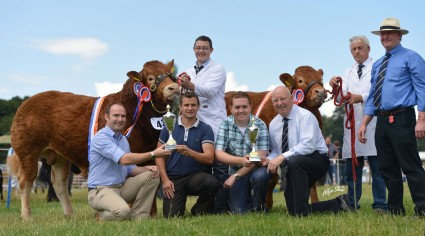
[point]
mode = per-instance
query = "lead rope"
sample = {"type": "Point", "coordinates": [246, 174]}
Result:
{"type": "Point", "coordinates": [349, 124]}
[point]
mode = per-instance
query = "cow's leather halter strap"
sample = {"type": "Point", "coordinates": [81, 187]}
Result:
{"type": "Point", "coordinates": [161, 78]}
{"type": "Point", "coordinates": [158, 81]}
{"type": "Point", "coordinates": [311, 85]}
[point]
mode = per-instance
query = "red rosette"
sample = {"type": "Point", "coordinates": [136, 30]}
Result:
{"type": "Point", "coordinates": [298, 96]}
{"type": "Point", "coordinates": [144, 94]}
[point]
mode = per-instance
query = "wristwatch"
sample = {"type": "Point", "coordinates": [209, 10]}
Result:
{"type": "Point", "coordinates": [237, 177]}
{"type": "Point", "coordinates": [152, 155]}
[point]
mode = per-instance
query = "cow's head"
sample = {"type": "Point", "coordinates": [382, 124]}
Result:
{"type": "Point", "coordinates": [159, 78]}
{"type": "Point", "coordinates": [310, 81]}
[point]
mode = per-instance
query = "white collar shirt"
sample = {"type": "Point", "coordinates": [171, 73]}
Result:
{"type": "Point", "coordinates": [304, 134]}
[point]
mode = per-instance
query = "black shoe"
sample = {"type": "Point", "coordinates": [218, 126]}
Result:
{"type": "Point", "coordinates": [344, 203]}
{"type": "Point", "coordinates": [399, 211]}
{"type": "Point", "coordinates": [420, 211]}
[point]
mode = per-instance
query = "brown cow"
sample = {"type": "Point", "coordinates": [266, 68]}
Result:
{"type": "Point", "coordinates": [55, 125]}
{"type": "Point", "coordinates": [305, 78]}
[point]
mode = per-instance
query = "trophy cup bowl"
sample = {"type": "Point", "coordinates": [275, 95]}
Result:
{"type": "Point", "coordinates": [253, 135]}
{"type": "Point", "coordinates": [169, 120]}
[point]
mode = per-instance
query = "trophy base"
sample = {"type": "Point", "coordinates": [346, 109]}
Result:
{"type": "Point", "coordinates": [170, 147]}
{"type": "Point", "coordinates": [254, 159]}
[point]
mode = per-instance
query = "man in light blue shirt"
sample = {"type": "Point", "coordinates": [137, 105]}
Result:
{"type": "Point", "coordinates": [114, 180]}
{"type": "Point", "coordinates": [398, 84]}
{"type": "Point", "coordinates": [304, 155]}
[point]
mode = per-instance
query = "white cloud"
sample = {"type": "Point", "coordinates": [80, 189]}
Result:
{"type": "Point", "coordinates": [327, 108]}
{"type": "Point", "coordinates": [29, 80]}
{"type": "Point", "coordinates": [105, 88]}
{"type": "Point", "coordinates": [86, 48]}
{"type": "Point", "coordinates": [271, 87]}
{"type": "Point", "coordinates": [232, 84]}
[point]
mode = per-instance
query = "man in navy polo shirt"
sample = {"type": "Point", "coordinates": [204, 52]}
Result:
{"type": "Point", "coordinates": [187, 170]}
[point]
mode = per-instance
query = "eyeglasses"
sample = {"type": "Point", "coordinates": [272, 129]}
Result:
{"type": "Point", "coordinates": [201, 48]}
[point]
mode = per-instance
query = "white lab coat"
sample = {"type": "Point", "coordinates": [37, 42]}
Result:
{"type": "Point", "coordinates": [210, 87]}
{"type": "Point", "coordinates": [351, 83]}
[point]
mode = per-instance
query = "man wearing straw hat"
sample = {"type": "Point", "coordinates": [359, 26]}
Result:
{"type": "Point", "coordinates": [398, 84]}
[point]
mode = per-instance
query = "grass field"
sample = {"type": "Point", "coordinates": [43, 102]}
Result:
{"type": "Point", "coordinates": [49, 220]}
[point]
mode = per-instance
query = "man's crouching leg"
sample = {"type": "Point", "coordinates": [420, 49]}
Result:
{"type": "Point", "coordinates": [140, 191]}
{"type": "Point", "coordinates": [109, 204]}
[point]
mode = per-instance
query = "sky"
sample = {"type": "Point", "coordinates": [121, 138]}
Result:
{"type": "Point", "coordinates": [87, 47]}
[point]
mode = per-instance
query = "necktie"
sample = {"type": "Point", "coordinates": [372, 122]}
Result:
{"type": "Point", "coordinates": [359, 70]}
{"type": "Point", "coordinates": [198, 68]}
{"type": "Point", "coordinates": [285, 145]}
{"type": "Point", "coordinates": [380, 81]}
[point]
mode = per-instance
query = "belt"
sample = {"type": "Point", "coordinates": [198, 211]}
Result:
{"type": "Point", "coordinates": [110, 186]}
{"type": "Point", "coordinates": [392, 112]}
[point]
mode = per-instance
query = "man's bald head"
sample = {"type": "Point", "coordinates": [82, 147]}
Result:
{"type": "Point", "coordinates": [282, 100]}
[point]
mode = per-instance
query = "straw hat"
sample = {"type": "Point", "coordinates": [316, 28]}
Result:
{"type": "Point", "coordinates": [390, 24]}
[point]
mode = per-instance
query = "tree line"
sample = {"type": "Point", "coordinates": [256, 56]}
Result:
{"type": "Point", "coordinates": [7, 112]}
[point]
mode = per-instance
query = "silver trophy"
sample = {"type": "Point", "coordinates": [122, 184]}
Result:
{"type": "Point", "coordinates": [253, 135]}
{"type": "Point", "coordinates": [169, 120]}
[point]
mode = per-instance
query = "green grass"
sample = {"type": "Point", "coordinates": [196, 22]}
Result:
{"type": "Point", "coordinates": [48, 220]}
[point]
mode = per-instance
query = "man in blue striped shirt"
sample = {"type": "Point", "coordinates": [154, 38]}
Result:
{"type": "Point", "coordinates": [398, 84]}
{"type": "Point", "coordinates": [233, 147]}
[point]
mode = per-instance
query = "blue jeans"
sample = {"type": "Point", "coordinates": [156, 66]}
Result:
{"type": "Point", "coordinates": [378, 185]}
{"type": "Point", "coordinates": [241, 197]}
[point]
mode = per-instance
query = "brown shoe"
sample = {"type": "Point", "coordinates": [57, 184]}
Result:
{"type": "Point", "coordinates": [381, 211]}
{"type": "Point", "coordinates": [97, 215]}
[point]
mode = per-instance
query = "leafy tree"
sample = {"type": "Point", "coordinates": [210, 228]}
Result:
{"type": "Point", "coordinates": [333, 126]}
{"type": "Point", "coordinates": [7, 112]}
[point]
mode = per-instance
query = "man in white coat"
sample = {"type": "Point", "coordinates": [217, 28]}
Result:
{"type": "Point", "coordinates": [356, 80]}
{"type": "Point", "coordinates": [208, 79]}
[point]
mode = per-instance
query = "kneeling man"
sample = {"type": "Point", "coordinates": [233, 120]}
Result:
{"type": "Point", "coordinates": [298, 145]}
{"type": "Point", "coordinates": [233, 147]}
{"type": "Point", "coordinates": [187, 170]}
{"type": "Point", "coordinates": [114, 180]}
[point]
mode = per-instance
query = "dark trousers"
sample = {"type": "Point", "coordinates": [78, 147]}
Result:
{"type": "Point", "coordinates": [199, 184]}
{"type": "Point", "coordinates": [222, 202]}
{"type": "Point", "coordinates": [303, 172]}
{"type": "Point", "coordinates": [397, 151]}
